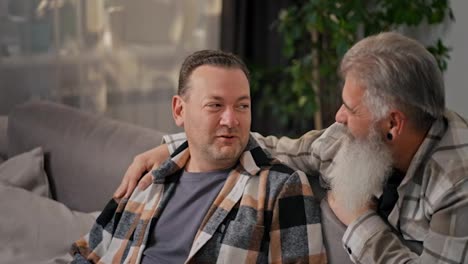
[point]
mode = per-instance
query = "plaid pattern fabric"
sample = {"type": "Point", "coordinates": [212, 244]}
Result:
{"type": "Point", "coordinates": [265, 213]}
{"type": "Point", "coordinates": [429, 219]}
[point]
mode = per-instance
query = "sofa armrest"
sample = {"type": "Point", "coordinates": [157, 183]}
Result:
{"type": "Point", "coordinates": [86, 155]}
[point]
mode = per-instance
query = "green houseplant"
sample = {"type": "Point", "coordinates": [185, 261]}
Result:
{"type": "Point", "coordinates": [316, 33]}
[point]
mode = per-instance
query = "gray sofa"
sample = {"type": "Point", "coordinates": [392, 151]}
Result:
{"type": "Point", "coordinates": [58, 165]}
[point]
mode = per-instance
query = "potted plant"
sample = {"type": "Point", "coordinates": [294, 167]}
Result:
{"type": "Point", "coordinates": [316, 34]}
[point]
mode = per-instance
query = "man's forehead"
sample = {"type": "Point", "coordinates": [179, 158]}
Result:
{"type": "Point", "coordinates": [352, 89]}
{"type": "Point", "coordinates": [219, 85]}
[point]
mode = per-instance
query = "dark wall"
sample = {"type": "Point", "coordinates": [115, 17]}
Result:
{"type": "Point", "coordinates": [248, 30]}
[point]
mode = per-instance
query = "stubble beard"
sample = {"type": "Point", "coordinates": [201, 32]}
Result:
{"type": "Point", "coordinates": [223, 153]}
{"type": "Point", "coordinates": [360, 169]}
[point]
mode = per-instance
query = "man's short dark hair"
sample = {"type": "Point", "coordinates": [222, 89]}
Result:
{"type": "Point", "coordinates": [207, 57]}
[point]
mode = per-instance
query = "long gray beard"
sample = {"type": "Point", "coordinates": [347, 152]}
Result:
{"type": "Point", "coordinates": [360, 169]}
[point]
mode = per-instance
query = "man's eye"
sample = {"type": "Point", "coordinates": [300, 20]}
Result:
{"type": "Point", "coordinates": [347, 109]}
{"type": "Point", "coordinates": [214, 105]}
{"type": "Point", "coordinates": [244, 106]}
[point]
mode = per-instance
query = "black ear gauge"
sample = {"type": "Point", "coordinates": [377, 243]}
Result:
{"type": "Point", "coordinates": [389, 136]}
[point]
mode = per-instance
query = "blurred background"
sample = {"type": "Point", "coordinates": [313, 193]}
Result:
{"type": "Point", "coordinates": [120, 58]}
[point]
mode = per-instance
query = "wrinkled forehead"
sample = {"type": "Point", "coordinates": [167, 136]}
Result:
{"type": "Point", "coordinates": [352, 90]}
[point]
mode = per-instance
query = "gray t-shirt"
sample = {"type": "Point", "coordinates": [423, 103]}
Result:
{"type": "Point", "coordinates": [172, 237]}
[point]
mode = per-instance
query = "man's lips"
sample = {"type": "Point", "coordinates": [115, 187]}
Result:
{"type": "Point", "coordinates": [226, 136]}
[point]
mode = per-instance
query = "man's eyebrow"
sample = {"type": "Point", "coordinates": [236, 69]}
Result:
{"type": "Point", "coordinates": [245, 97]}
{"type": "Point", "coordinates": [219, 98]}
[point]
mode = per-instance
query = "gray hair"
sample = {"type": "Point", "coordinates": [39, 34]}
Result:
{"type": "Point", "coordinates": [397, 71]}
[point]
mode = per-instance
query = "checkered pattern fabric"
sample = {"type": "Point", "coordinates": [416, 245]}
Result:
{"type": "Point", "coordinates": [265, 213]}
{"type": "Point", "coordinates": [428, 223]}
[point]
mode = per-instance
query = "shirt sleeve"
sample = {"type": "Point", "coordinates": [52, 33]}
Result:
{"type": "Point", "coordinates": [296, 153]}
{"type": "Point", "coordinates": [174, 141]}
{"type": "Point", "coordinates": [370, 240]}
{"type": "Point", "coordinates": [84, 249]}
{"type": "Point", "coordinates": [311, 152]}
{"type": "Point", "coordinates": [296, 233]}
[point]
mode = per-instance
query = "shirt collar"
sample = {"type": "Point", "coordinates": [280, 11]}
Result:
{"type": "Point", "coordinates": [433, 137]}
{"type": "Point", "coordinates": [250, 161]}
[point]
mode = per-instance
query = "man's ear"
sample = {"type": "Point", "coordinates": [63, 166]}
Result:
{"type": "Point", "coordinates": [178, 108]}
{"type": "Point", "coordinates": [396, 122]}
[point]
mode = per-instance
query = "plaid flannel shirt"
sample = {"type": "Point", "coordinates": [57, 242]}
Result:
{"type": "Point", "coordinates": [429, 219]}
{"type": "Point", "coordinates": [265, 213]}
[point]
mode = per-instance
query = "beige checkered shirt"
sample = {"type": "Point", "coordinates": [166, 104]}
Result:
{"type": "Point", "coordinates": [265, 213]}
{"type": "Point", "coordinates": [430, 219]}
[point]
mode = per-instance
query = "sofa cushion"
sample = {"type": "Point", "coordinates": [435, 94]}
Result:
{"type": "Point", "coordinates": [3, 137]}
{"type": "Point", "coordinates": [36, 229]}
{"type": "Point", "coordinates": [26, 171]}
{"type": "Point", "coordinates": [86, 155]}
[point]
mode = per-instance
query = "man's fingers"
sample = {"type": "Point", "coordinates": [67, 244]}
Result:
{"type": "Point", "coordinates": [132, 177]}
{"type": "Point", "coordinates": [145, 181]}
{"type": "Point", "coordinates": [122, 190]}
{"type": "Point", "coordinates": [130, 187]}
{"type": "Point", "coordinates": [119, 193]}
{"type": "Point", "coordinates": [148, 178]}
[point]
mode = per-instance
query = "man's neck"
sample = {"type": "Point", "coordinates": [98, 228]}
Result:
{"type": "Point", "coordinates": [406, 147]}
{"type": "Point", "coordinates": [194, 165]}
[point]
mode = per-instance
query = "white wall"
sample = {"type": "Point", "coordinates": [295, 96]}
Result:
{"type": "Point", "coordinates": [456, 76]}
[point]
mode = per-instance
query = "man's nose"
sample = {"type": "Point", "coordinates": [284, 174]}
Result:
{"type": "Point", "coordinates": [340, 116]}
{"type": "Point", "coordinates": [229, 118]}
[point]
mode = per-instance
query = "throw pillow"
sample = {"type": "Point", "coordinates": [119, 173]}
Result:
{"type": "Point", "coordinates": [36, 229]}
{"type": "Point", "coordinates": [26, 171]}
